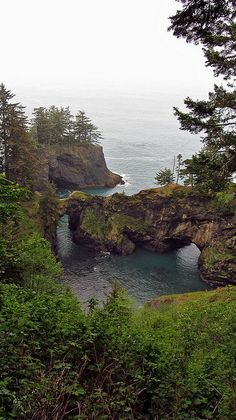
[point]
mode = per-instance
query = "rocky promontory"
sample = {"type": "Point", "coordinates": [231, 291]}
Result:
{"type": "Point", "coordinates": [160, 220]}
{"type": "Point", "coordinates": [77, 167]}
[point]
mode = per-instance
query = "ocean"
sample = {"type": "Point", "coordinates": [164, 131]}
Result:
{"type": "Point", "coordinates": [141, 136]}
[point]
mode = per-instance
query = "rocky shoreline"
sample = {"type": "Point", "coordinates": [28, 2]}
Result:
{"type": "Point", "coordinates": [158, 220]}
{"type": "Point", "coordinates": [77, 167]}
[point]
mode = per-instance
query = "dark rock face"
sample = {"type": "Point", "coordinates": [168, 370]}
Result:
{"type": "Point", "coordinates": [78, 167]}
{"type": "Point", "coordinates": [160, 222]}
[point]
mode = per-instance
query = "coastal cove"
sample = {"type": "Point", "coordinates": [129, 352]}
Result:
{"type": "Point", "coordinates": [136, 144]}
{"type": "Point", "coordinates": [143, 274]}
{"type": "Point", "coordinates": [118, 211]}
{"type": "Point", "coordinates": [136, 150]}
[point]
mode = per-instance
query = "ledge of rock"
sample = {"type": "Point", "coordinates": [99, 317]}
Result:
{"type": "Point", "coordinates": [159, 219]}
{"type": "Point", "coordinates": [78, 167]}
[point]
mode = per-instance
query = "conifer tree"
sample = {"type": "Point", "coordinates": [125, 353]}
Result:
{"type": "Point", "coordinates": [211, 23]}
{"type": "Point", "coordinates": [164, 177]}
{"type": "Point", "coordinates": [179, 162]}
{"type": "Point", "coordinates": [11, 116]}
{"type": "Point", "coordinates": [68, 122]}
{"type": "Point", "coordinates": [40, 125]}
{"type": "Point", "coordinates": [59, 125]}
{"type": "Point", "coordinates": [19, 160]}
{"type": "Point", "coordinates": [84, 131]}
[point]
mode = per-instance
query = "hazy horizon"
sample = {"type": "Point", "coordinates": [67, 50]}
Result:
{"type": "Point", "coordinates": [61, 47]}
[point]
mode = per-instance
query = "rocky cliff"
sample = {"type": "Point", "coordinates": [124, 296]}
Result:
{"type": "Point", "coordinates": [77, 167]}
{"type": "Point", "coordinates": [158, 220]}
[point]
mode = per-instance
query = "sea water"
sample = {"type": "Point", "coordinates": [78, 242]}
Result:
{"type": "Point", "coordinates": [141, 136]}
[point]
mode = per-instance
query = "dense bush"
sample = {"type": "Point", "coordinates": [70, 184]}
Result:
{"type": "Point", "coordinates": [224, 202]}
{"type": "Point", "coordinates": [25, 256]}
{"type": "Point", "coordinates": [117, 362]}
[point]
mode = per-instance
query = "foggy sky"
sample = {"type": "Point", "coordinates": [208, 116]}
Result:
{"type": "Point", "coordinates": [94, 43]}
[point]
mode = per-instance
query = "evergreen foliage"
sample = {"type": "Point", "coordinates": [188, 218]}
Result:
{"type": "Point", "coordinates": [52, 126]}
{"type": "Point", "coordinates": [224, 202]}
{"type": "Point", "coordinates": [84, 131]}
{"type": "Point", "coordinates": [19, 146]}
{"type": "Point", "coordinates": [179, 163]}
{"type": "Point", "coordinates": [18, 154]}
{"type": "Point", "coordinates": [175, 362]}
{"type": "Point", "coordinates": [211, 23]}
{"type": "Point", "coordinates": [11, 117]}
{"type": "Point", "coordinates": [57, 126]}
{"type": "Point", "coordinates": [164, 177]}
{"type": "Point", "coordinates": [206, 172]}
{"type": "Point", "coordinates": [25, 256]}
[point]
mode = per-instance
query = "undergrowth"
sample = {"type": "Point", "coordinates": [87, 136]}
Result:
{"type": "Point", "coordinates": [116, 362]}
{"type": "Point", "coordinates": [175, 360]}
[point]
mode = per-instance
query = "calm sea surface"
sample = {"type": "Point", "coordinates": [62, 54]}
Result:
{"type": "Point", "coordinates": [141, 136]}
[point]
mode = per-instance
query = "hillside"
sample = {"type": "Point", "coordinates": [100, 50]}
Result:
{"type": "Point", "coordinates": [173, 359]}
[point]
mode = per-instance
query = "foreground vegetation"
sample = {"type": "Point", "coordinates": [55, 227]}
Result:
{"type": "Point", "coordinates": [212, 25]}
{"type": "Point", "coordinates": [173, 359]}
{"type": "Point", "coordinates": [176, 362]}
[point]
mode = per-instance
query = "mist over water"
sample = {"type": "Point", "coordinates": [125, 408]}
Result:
{"type": "Point", "coordinates": [141, 136]}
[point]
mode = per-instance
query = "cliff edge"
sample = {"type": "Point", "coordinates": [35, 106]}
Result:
{"type": "Point", "coordinates": [159, 219]}
{"type": "Point", "coordinates": [77, 167]}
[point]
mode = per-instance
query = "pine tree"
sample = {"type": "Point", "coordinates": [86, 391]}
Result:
{"type": "Point", "coordinates": [40, 126]}
{"type": "Point", "coordinates": [179, 163]}
{"type": "Point", "coordinates": [211, 23]}
{"type": "Point", "coordinates": [19, 159]}
{"type": "Point", "coordinates": [68, 122]}
{"type": "Point", "coordinates": [164, 177]}
{"type": "Point", "coordinates": [84, 131]}
{"type": "Point", "coordinates": [52, 126]}
{"type": "Point", "coordinates": [58, 125]}
{"type": "Point", "coordinates": [11, 116]}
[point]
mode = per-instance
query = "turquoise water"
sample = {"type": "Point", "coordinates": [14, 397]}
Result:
{"type": "Point", "coordinates": [143, 274]}
{"type": "Point", "coordinates": [141, 136]}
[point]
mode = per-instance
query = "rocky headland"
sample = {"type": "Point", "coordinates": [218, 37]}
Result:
{"type": "Point", "coordinates": [77, 167]}
{"type": "Point", "coordinates": [160, 220]}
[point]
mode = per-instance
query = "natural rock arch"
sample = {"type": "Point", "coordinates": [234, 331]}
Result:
{"type": "Point", "coordinates": [159, 220]}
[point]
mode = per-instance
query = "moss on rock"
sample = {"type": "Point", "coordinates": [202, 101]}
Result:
{"type": "Point", "coordinates": [159, 219]}
{"type": "Point", "coordinates": [214, 256]}
{"type": "Point", "coordinates": [95, 224]}
{"type": "Point", "coordinates": [79, 195]}
{"type": "Point", "coordinates": [110, 229]}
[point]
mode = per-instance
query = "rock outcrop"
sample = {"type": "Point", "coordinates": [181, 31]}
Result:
{"type": "Point", "coordinates": [158, 220]}
{"type": "Point", "coordinates": [78, 167]}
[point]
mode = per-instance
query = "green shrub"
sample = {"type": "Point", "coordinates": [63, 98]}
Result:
{"type": "Point", "coordinates": [25, 256]}
{"type": "Point", "coordinates": [224, 202]}
{"type": "Point", "coordinates": [36, 259]}
{"type": "Point", "coordinates": [117, 361]}
{"type": "Point", "coordinates": [214, 256]}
